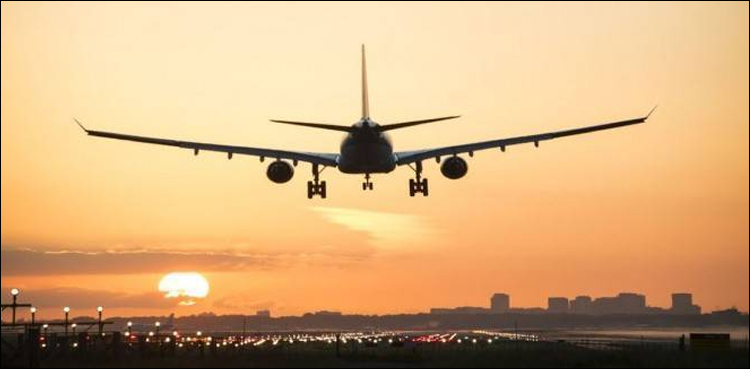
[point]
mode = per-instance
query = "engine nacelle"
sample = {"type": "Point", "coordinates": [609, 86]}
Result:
{"type": "Point", "coordinates": [454, 167]}
{"type": "Point", "coordinates": [280, 171]}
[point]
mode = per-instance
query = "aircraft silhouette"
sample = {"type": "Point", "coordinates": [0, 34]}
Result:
{"type": "Point", "coordinates": [366, 149]}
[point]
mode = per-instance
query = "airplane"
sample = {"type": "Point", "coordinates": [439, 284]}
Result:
{"type": "Point", "coordinates": [366, 149]}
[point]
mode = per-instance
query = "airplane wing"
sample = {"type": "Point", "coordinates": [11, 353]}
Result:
{"type": "Point", "coordinates": [408, 157]}
{"type": "Point", "coordinates": [325, 159]}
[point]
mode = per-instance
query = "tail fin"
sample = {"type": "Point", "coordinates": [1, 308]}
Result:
{"type": "Point", "coordinates": [365, 98]}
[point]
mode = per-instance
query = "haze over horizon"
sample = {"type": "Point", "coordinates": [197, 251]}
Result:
{"type": "Point", "coordinates": [655, 208]}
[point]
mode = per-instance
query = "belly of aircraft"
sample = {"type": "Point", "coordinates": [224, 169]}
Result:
{"type": "Point", "coordinates": [366, 158]}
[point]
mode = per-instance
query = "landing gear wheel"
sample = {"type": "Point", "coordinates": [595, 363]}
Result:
{"type": "Point", "coordinates": [316, 186]}
{"type": "Point", "coordinates": [419, 184]}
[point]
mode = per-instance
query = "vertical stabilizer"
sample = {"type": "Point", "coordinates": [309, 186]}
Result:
{"type": "Point", "coordinates": [365, 99]}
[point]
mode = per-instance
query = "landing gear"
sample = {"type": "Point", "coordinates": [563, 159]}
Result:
{"type": "Point", "coordinates": [316, 186]}
{"type": "Point", "coordinates": [367, 185]}
{"type": "Point", "coordinates": [419, 184]}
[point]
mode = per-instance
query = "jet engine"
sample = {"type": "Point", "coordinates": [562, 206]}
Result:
{"type": "Point", "coordinates": [280, 171]}
{"type": "Point", "coordinates": [454, 167]}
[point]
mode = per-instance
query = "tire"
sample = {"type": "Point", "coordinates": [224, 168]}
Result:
{"type": "Point", "coordinates": [370, 186]}
{"type": "Point", "coordinates": [425, 188]}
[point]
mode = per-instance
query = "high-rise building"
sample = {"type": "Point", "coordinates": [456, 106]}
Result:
{"type": "Point", "coordinates": [557, 305]}
{"type": "Point", "coordinates": [682, 303]}
{"type": "Point", "coordinates": [500, 303]}
{"type": "Point", "coordinates": [581, 305]}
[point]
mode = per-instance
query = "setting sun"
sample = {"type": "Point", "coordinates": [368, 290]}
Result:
{"type": "Point", "coordinates": [187, 287]}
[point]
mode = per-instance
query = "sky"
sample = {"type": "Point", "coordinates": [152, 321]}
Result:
{"type": "Point", "coordinates": [655, 208]}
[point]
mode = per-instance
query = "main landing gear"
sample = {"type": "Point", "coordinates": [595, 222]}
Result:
{"type": "Point", "coordinates": [419, 184]}
{"type": "Point", "coordinates": [316, 187]}
{"type": "Point", "coordinates": [367, 185]}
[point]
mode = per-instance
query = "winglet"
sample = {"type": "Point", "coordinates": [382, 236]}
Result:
{"type": "Point", "coordinates": [81, 125]}
{"type": "Point", "coordinates": [652, 110]}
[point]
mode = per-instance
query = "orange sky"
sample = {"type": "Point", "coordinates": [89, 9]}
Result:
{"type": "Point", "coordinates": [654, 208]}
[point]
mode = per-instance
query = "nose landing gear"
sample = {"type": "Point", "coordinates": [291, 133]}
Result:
{"type": "Point", "coordinates": [316, 187]}
{"type": "Point", "coordinates": [419, 184]}
{"type": "Point", "coordinates": [367, 185]}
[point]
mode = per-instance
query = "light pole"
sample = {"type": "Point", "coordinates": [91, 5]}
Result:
{"type": "Point", "coordinates": [158, 325]}
{"type": "Point", "coordinates": [33, 315]}
{"type": "Point", "coordinates": [15, 293]}
{"type": "Point", "coordinates": [99, 310]}
{"type": "Point", "coordinates": [45, 327]}
{"type": "Point", "coordinates": [130, 329]}
{"type": "Point", "coordinates": [67, 312]}
{"type": "Point", "coordinates": [74, 325]}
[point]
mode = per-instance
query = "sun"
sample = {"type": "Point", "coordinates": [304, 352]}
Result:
{"type": "Point", "coordinates": [186, 287]}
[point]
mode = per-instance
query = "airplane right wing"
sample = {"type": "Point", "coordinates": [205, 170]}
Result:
{"type": "Point", "coordinates": [408, 157]}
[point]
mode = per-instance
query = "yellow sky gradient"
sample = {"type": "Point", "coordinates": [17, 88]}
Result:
{"type": "Point", "coordinates": [654, 208]}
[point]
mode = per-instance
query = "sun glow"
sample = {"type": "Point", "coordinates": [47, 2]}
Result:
{"type": "Point", "coordinates": [187, 287]}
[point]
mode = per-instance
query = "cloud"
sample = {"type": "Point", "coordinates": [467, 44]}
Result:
{"type": "Point", "coordinates": [387, 231]}
{"type": "Point", "coordinates": [30, 262]}
{"type": "Point", "coordinates": [81, 298]}
{"type": "Point", "coordinates": [15, 262]}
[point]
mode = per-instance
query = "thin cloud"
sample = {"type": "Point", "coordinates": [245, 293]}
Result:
{"type": "Point", "coordinates": [387, 231]}
{"type": "Point", "coordinates": [30, 262]}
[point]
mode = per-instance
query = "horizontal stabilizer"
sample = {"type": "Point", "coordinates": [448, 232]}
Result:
{"type": "Point", "coordinates": [389, 127]}
{"type": "Point", "coordinates": [331, 127]}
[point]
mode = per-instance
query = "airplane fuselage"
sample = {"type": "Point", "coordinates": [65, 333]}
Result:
{"type": "Point", "coordinates": [366, 150]}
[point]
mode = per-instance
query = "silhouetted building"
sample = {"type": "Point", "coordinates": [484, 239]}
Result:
{"type": "Point", "coordinates": [581, 305]}
{"type": "Point", "coordinates": [682, 303]}
{"type": "Point", "coordinates": [459, 310]}
{"type": "Point", "coordinates": [557, 305]}
{"type": "Point", "coordinates": [624, 303]}
{"type": "Point", "coordinates": [263, 313]}
{"type": "Point", "coordinates": [500, 303]}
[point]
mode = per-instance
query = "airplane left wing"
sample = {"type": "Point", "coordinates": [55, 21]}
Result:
{"type": "Point", "coordinates": [325, 159]}
{"type": "Point", "coordinates": [408, 157]}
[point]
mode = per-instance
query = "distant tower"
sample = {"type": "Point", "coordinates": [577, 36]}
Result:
{"type": "Point", "coordinates": [500, 303]}
{"type": "Point", "coordinates": [557, 305]}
